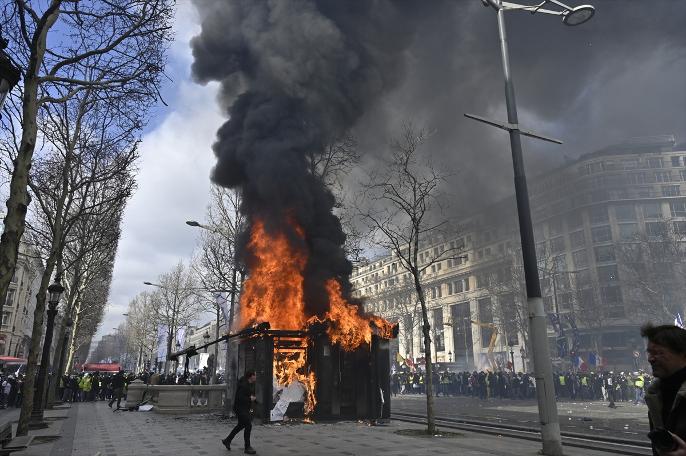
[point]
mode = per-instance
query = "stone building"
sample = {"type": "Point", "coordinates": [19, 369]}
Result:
{"type": "Point", "coordinates": [610, 230]}
{"type": "Point", "coordinates": [17, 314]}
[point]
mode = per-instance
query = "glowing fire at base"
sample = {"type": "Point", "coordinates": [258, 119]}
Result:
{"type": "Point", "coordinates": [289, 366]}
{"type": "Point", "coordinates": [274, 293]}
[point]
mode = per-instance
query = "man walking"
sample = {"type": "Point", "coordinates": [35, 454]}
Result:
{"type": "Point", "coordinates": [245, 395]}
{"type": "Point", "coordinates": [117, 389]}
{"type": "Point", "coordinates": [666, 396]}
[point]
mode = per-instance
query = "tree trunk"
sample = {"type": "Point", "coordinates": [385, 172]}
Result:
{"type": "Point", "coordinates": [19, 198]}
{"type": "Point", "coordinates": [35, 348]}
{"type": "Point", "coordinates": [428, 381]}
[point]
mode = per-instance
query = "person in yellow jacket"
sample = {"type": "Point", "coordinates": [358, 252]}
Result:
{"type": "Point", "coordinates": [639, 388]}
{"type": "Point", "coordinates": [85, 386]}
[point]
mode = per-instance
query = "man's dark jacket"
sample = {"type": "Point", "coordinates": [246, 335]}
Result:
{"type": "Point", "coordinates": [675, 417]}
{"type": "Point", "coordinates": [242, 403]}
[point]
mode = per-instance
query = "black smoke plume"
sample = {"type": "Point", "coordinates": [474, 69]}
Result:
{"type": "Point", "coordinates": [295, 75]}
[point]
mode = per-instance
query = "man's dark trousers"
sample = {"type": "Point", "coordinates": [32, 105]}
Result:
{"type": "Point", "coordinates": [245, 424]}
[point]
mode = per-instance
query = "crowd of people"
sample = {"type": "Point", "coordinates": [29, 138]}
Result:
{"type": "Point", "coordinates": [11, 390]}
{"type": "Point", "coordinates": [607, 386]}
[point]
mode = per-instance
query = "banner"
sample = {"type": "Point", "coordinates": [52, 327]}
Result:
{"type": "Point", "coordinates": [223, 304]}
{"type": "Point", "coordinates": [181, 336]}
{"type": "Point", "coordinates": [162, 342]}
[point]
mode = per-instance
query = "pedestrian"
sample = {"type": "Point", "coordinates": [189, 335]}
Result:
{"type": "Point", "coordinates": [117, 389]}
{"type": "Point", "coordinates": [242, 404]}
{"type": "Point", "coordinates": [666, 396]}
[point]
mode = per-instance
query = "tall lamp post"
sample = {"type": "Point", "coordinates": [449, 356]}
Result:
{"type": "Point", "coordinates": [54, 292]}
{"type": "Point", "coordinates": [9, 73]}
{"type": "Point", "coordinates": [545, 391]}
{"type": "Point", "coordinates": [229, 369]}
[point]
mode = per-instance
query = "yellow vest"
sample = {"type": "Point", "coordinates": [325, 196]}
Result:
{"type": "Point", "coordinates": [639, 381]}
{"type": "Point", "coordinates": [562, 380]}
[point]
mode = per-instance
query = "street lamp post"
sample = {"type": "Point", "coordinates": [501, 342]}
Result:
{"type": "Point", "coordinates": [54, 292]}
{"type": "Point", "coordinates": [450, 356]}
{"type": "Point", "coordinates": [9, 73]}
{"type": "Point", "coordinates": [206, 338]}
{"type": "Point", "coordinates": [545, 391]}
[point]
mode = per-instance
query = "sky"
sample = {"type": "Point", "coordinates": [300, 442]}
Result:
{"type": "Point", "coordinates": [173, 179]}
{"type": "Point", "coordinates": [619, 76]}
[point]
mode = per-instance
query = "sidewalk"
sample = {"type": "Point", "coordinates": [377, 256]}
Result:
{"type": "Point", "coordinates": [92, 428]}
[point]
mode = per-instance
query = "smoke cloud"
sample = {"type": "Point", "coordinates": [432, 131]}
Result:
{"type": "Point", "coordinates": [295, 75]}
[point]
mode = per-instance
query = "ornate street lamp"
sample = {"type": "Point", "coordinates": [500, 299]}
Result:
{"type": "Point", "coordinates": [450, 356]}
{"type": "Point", "coordinates": [9, 73]}
{"type": "Point", "coordinates": [54, 292]}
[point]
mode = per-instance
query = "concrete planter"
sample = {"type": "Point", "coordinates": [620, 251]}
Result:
{"type": "Point", "coordinates": [178, 399]}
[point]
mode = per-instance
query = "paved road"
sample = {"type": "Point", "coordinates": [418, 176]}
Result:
{"type": "Point", "coordinates": [89, 429]}
{"type": "Point", "coordinates": [627, 420]}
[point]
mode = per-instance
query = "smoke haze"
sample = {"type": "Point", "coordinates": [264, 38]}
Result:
{"type": "Point", "coordinates": [297, 73]}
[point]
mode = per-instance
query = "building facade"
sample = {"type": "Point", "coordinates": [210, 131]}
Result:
{"type": "Point", "coordinates": [610, 230]}
{"type": "Point", "coordinates": [17, 314]}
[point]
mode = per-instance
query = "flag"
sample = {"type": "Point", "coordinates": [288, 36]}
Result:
{"type": "Point", "coordinates": [593, 359]}
{"type": "Point", "coordinates": [580, 363]}
{"type": "Point", "coordinates": [223, 305]}
{"type": "Point", "coordinates": [162, 342]}
{"type": "Point", "coordinates": [678, 321]}
{"type": "Point", "coordinates": [399, 358]}
{"type": "Point", "coordinates": [181, 335]}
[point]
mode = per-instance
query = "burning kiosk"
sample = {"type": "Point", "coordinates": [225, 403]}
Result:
{"type": "Point", "coordinates": [302, 374]}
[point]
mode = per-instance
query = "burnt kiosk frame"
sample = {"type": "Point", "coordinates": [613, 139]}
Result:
{"type": "Point", "coordinates": [350, 384]}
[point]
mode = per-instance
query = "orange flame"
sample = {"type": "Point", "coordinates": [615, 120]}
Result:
{"type": "Point", "coordinates": [273, 291]}
{"type": "Point", "coordinates": [289, 366]}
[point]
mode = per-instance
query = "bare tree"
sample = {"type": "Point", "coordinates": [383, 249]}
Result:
{"type": "Point", "coordinates": [652, 267]}
{"type": "Point", "coordinates": [219, 271]}
{"type": "Point", "coordinates": [403, 215]}
{"type": "Point", "coordinates": [141, 326]}
{"type": "Point", "coordinates": [114, 48]}
{"type": "Point", "coordinates": [176, 302]}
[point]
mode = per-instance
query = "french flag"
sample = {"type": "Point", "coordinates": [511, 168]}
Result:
{"type": "Point", "coordinates": [581, 364]}
{"type": "Point", "coordinates": [595, 359]}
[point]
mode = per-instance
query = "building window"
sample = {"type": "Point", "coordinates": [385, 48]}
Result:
{"type": "Point", "coordinates": [677, 208]}
{"type": "Point", "coordinates": [663, 176]}
{"type": "Point", "coordinates": [439, 341]}
{"type": "Point", "coordinates": [557, 245]}
{"type": "Point", "coordinates": [682, 174]}
{"type": "Point", "coordinates": [676, 161]}
{"type": "Point", "coordinates": [655, 162]}
{"type": "Point", "coordinates": [9, 302]}
{"type": "Point", "coordinates": [625, 213]}
{"type": "Point", "coordinates": [604, 253]}
{"type": "Point", "coordinates": [607, 273]}
{"type": "Point", "coordinates": [601, 234]}
{"type": "Point", "coordinates": [656, 229]}
{"type": "Point", "coordinates": [580, 259]}
{"type": "Point", "coordinates": [628, 231]}
{"type": "Point", "coordinates": [450, 288]}
{"type": "Point", "coordinates": [652, 210]}
{"type": "Point", "coordinates": [598, 215]}
{"type": "Point", "coordinates": [485, 316]}
{"type": "Point", "coordinates": [671, 190]}
{"type": "Point", "coordinates": [577, 239]}
{"type": "Point", "coordinates": [679, 228]}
